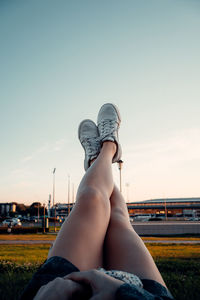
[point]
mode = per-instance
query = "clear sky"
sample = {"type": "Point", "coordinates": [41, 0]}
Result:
{"type": "Point", "coordinates": [61, 60]}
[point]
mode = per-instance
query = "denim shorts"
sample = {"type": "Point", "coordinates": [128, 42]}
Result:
{"type": "Point", "coordinates": [53, 267]}
{"type": "Point", "coordinates": [57, 266]}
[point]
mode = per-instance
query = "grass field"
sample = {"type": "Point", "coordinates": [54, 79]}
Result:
{"type": "Point", "coordinates": [37, 253]}
{"type": "Point", "coordinates": [178, 264]}
{"type": "Point", "coordinates": [27, 237]}
{"type": "Point", "coordinates": [51, 237]}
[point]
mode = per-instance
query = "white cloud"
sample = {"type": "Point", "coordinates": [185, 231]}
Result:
{"type": "Point", "coordinates": [59, 145]}
{"type": "Point", "coordinates": [168, 165]}
{"type": "Point", "coordinates": [23, 184]}
{"type": "Point", "coordinates": [27, 158]}
{"type": "Point", "coordinates": [180, 146]}
{"type": "Point", "coordinates": [46, 148]}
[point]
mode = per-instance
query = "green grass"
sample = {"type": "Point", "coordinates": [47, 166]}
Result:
{"type": "Point", "coordinates": [182, 277]}
{"type": "Point", "coordinates": [174, 250]}
{"type": "Point", "coordinates": [27, 237]}
{"type": "Point", "coordinates": [178, 264]}
{"type": "Point", "coordinates": [37, 253]}
{"type": "Point", "coordinates": [21, 254]}
{"type": "Point", "coordinates": [170, 238]}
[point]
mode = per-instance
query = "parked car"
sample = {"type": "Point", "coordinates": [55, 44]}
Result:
{"type": "Point", "coordinates": [16, 222]}
{"type": "Point", "coordinates": [7, 222]}
{"type": "Point", "coordinates": [12, 222]}
{"type": "Point", "coordinates": [34, 219]}
{"type": "Point", "coordinates": [142, 217]}
{"type": "Point", "coordinates": [193, 219]}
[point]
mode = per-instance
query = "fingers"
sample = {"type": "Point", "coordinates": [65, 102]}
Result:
{"type": "Point", "coordinates": [59, 289]}
{"type": "Point", "coordinates": [84, 277]}
{"type": "Point", "coordinates": [102, 286]}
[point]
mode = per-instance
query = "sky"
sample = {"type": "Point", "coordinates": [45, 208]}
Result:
{"type": "Point", "coordinates": [60, 61]}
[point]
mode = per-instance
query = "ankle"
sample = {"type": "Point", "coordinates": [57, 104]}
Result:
{"type": "Point", "coordinates": [111, 146]}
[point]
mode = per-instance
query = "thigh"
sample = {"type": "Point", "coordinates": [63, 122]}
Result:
{"type": "Point", "coordinates": [124, 250]}
{"type": "Point", "coordinates": [81, 237]}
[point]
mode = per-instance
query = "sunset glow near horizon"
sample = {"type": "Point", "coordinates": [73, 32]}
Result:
{"type": "Point", "coordinates": [60, 61]}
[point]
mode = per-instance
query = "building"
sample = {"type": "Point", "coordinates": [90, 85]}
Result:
{"type": "Point", "coordinates": [7, 208]}
{"type": "Point", "coordinates": [62, 209]}
{"type": "Point", "coordinates": [172, 207]}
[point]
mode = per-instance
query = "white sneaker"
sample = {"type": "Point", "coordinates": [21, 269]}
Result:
{"type": "Point", "coordinates": [108, 123]}
{"type": "Point", "coordinates": [89, 137]}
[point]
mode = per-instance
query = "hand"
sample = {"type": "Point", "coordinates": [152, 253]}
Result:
{"type": "Point", "coordinates": [102, 285]}
{"type": "Point", "coordinates": [62, 289]}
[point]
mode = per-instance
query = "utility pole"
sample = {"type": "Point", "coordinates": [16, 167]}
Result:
{"type": "Point", "coordinates": [44, 219]}
{"type": "Point", "coordinates": [72, 193]}
{"type": "Point", "coordinates": [38, 215]}
{"type": "Point", "coordinates": [68, 194]}
{"type": "Point", "coordinates": [54, 170]}
{"type": "Point", "coordinates": [49, 205]}
{"type": "Point", "coordinates": [120, 162]}
{"type": "Point", "coordinates": [127, 190]}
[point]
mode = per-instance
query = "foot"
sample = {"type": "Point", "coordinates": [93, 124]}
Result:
{"type": "Point", "coordinates": [89, 137]}
{"type": "Point", "coordinates": [108, 122]}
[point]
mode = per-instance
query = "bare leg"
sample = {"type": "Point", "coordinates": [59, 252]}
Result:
{"type": "Point", "coordinates": [82, 235]}
{"type": "Point", "coordinates": [124, 250]}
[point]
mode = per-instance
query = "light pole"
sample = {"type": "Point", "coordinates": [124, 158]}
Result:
{"type": "Point", "coordinates": [68, 194]}
{"type": "Point", "coordinates": [73, 193]}
{"type": "Point", "coordinates": [120, 162]}
{"type": "Point", "coordinates": [127, 194]}
{"type": "Point", "coordinates": [54, 170]}
{"type": "Point", "coordinates": [44, 219]}
{"type": "Point", "coordinates": [38, 214]}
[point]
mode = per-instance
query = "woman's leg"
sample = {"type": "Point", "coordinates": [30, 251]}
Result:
{"type": "Point", "coordinates": [82, 235]}
{"type": "Point", "coordinates": [123, 249]}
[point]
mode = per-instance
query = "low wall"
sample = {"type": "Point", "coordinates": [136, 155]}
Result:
{"type": "Point", "coordinates": [158, 228]}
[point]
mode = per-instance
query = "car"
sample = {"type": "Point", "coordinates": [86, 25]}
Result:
{"type": "Point", "coordinates": [142, 217]}
{"type": "Point", "coordinates": [12, 222]}
{"type": "Point", "coordinates": [16, 222]}
{"type": "Point", "coordinates": [7, 222]}
{"type": "Point", "coordinates": [193, 219]}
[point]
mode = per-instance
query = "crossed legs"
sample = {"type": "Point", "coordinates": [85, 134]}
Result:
{"type": "Point", "coordinates": [98, 232]}
{"type": "Point", "coordinates": [82, 235]}
{"type": "Point", "coordinates": [124, 249]}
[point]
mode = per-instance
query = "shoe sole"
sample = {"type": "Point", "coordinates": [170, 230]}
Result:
{"type": "Point", "coordinates": [86, 166]}
{"type": "Point", "coordinates": [79, 127]}
{"type": "Point", "coordinates": [119, 117]}
{"type": "Point", "coordinates": [116, 109]}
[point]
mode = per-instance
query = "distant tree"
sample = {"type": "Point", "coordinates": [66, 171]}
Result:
{"type": "Point", "coordinates": [35, 208]}
{"type": "Point", "coordinates": [21, 209]}
{"type": "Point", "coordinates": [35, 204]}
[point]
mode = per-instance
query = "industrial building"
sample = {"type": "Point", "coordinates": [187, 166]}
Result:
{"type": "Point", "coordinates": [172, 207]}
{"type": "Point", "coordinates": [7, 208]}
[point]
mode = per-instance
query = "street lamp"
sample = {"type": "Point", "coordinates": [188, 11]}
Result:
{"type": "Point", "coordinates": [54, 170]}
{"type": "Point", "coordinates": [44, 219]}
{"type": "Point", "coordinates": [127, 194]}
{"type": "Point", "coordinates": [68, 194]}
{"type": "Point", "coordinates": [120, 162]}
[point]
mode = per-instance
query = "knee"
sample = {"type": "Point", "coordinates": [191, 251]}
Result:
{"type": "Point", "coordinates": [93, 199]}
{"type": "Point", "coordinates": [119, 216]}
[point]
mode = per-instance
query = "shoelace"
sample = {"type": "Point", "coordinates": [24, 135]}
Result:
{"type": "Point", "coordinates": [91, 145]}
{"type": "Point", "coordinates": [107, 127]}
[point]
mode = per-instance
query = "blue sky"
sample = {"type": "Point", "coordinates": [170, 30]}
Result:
{"type": "Point", "coordinates": [61, 60]}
